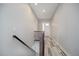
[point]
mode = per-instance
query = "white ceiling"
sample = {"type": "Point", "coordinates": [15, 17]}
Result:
{"type": "Point", "coordinates": [44, 11]}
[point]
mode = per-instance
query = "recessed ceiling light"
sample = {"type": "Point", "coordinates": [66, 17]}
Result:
{"type": "Point", "coordinates": [44, 10]}
{"type": "Point", "coordinates": [36, 4]}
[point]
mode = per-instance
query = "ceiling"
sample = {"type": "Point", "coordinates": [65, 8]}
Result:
{"type": "Point", "coordinates": [44, 11]}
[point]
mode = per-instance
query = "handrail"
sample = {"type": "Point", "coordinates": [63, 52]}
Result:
{"type": "Point", "coordinates": [14, 36]}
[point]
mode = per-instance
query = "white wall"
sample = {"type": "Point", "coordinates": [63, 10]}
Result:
{"type": "Point", "coordinates": [65, 27]}
{"type": "Point", "coordinates": [16, 19]}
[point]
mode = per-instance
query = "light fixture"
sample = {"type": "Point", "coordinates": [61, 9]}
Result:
{"type": "Point", "coordinates": [44, 10]}
{"type": "Point", "coordinates": [36, 4]}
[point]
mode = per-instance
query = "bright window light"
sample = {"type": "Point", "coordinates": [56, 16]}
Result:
{"type": "Point", "coordinates": [47, 24]}
{"type": "Point", "coordinates": [43, 26]}
{"type": "Point", "coordinates": [36, 4]}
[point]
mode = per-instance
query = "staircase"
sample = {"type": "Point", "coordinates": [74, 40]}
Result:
{"type": "Point", "coordinates": [52, 49]}
{"type": "Point", "coordinates": [36, 47]}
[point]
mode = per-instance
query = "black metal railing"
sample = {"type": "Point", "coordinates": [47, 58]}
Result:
{"type": "Point", "coordinates": [14, 36]}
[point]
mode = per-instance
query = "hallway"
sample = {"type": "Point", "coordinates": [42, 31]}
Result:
{"type": "Point", "coordinates": [39, 29]}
